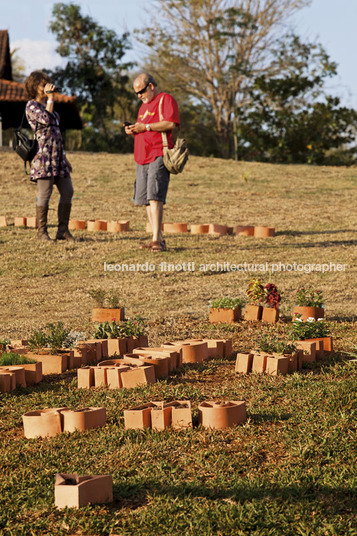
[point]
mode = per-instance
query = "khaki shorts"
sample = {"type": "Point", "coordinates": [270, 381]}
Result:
{"type": "Point", "coordinates": [152, 182]}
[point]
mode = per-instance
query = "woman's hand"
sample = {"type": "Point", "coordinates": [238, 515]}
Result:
{"type": "Point", "coordinates": [68, 163]}
{"type": "Point", "coordinates": [49, 89]}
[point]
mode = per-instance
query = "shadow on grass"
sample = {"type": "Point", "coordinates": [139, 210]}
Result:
{"type": "Point", "coordinates": [302, 233]}
{"type": "Point", "coordinates": [335, 499]}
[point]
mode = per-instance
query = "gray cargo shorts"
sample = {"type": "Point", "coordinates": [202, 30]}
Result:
{"type": "Point", "coordinates": [152, 182]}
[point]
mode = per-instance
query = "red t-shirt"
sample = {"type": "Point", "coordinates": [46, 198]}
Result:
{"type": "Point", "coordinates": [148, 145]}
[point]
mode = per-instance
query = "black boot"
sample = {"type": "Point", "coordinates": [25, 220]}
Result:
{"type": "Point", "coordinates": [64, 212]}
{"type": "Point", "coordinates": [41, 215]}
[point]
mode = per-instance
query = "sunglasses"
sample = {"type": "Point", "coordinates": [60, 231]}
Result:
{"type": "Point", "coordinates": [142, 91]}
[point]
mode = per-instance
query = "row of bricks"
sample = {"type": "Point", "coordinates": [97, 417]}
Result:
{"type": "Point", "coordinates": [53, 421]}
{"type": "Point", "coordinates": [217, 229]}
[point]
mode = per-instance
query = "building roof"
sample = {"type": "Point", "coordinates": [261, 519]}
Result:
{"type": "Point", "coordinates": [15, 91]}
{"type": "Point", "coordinates": [5, 57]}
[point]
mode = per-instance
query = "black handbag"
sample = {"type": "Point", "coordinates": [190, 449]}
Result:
{"type": "Point", "coordinates": [25, 147]}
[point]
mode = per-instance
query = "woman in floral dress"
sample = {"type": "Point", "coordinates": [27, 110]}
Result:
{"type": "Point", "coordinates": [50, 165]}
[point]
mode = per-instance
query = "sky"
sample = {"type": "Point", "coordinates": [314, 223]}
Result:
{"type": "Point", "coordinates": [329, 22]}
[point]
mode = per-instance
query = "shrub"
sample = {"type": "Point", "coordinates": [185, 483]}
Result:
{"type": "Point", "coordinates": [10, 358]}
{"type": "Point", "coordinates": [226, 303]}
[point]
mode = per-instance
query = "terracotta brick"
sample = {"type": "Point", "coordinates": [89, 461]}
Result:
{"type": "Point", "coordinates": [84, 419]}
{"type": "Point", "coordinates": [217, 230]}
{"type": "Point", "coordinates": [85, 377]}
{"type": "Point", "coordinates": [159, 362]}
{"type": "Point", "coordinates": [52, 364]}
{"type": "Point", "coordinates": [3, 221]}
{"type": "Point", "coordinates": [19, 371]}
{"type": "Point", "coordinates": [264, 232]}
{"type": "Point", "coordinates": [259, 362]}
{"type": "Point", "coordinates": [221, 415]}
{"type": "Point", "coordinates": [138, 376]}
{"type": "Point", "coordinates": [181, 415]}
{"type": "Point", "coordinates": [20, 222]}
{"type": "Point", "coordinates": [73, 491]}
{"type": "Point", "coordinates": [32, 222]}
{"type": "Point", "coordinates": [114, 380]}
{"type": "Point", "coordinates": [245, 230]}
{"type": "Point", "coordinates": [160, 416]}
{"type": "Point", "coordinates": [277, 365]}
{"type": "Point", "coordinates": [175, 228]}
{"type": "Point", "coordinates": [139, 417]}
{"type": "Point", "coordinates": [309, 349]}
{"type": "Point", "coordinates": [253, 312]}
{"type": "Point", "coordinates": [199, 229]}
{"type": "Point", "coordinates": [43, 422]}
{"type": "Point", "coordinates": [243, 363]}
{"type": "Point", "coordinates": [33, 373]}
{"type": "Point", "coordinates": [226, 316]}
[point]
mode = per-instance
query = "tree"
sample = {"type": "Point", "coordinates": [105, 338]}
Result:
{"type": "Point", "coordinates": [94, 70]}
{"type": "Point", "coordinates": [289, 118]}
{"type": "Point", "coordinates": [210, 50]}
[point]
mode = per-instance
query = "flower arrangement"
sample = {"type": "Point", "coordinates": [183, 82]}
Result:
{"type": "Point", "coordinates": [312, 329]}
{"type": "Point", "coordinates": [309, 298]}
{"type": "Point", "coordinates": [267, 295]}
{"type": "Point", "coordinates": [226, 303]}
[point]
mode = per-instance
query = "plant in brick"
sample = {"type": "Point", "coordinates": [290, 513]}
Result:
{"type": "Point", "coordinates": [54, 337]}
{"type": "Point", "coordinates": [309, 298]}
{"type": "Point", "coordinates": [10, 358]}
{"type": "Point", "coordinates": [255, 292]}
{"type": "Point", "coordinates": [272, 343]}
{"type": "Point", "coordinates": [226, 303]}
{"type": "Point", "coordinates": [312, 329]}
{"type": "Point", "coordinates": [272, 296]}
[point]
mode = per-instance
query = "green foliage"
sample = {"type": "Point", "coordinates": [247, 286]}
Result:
{"type": "Point", "coordinates": [11, 358]}
{"type": "Point", "coordinates": [272, 295]}
{"type": "Point", "coordinates": [271, 343]}
{"type": "Point", "coordinates": [289, 119]}
{"type": "Point", "coordinates": [255, 292]}
{"type": "Point", "coordinates": [102, 298]}
{"type": "Point", "coordinates": [309, 297]}
{"type": "Point", "coordinates": [3, 344]}
{"type": "Point", "coordinates": [312, 329]}
{"type": "Point", "coordinates": [226, 303]}
{"type": "Point", "coordinates": [94, 72]}
{"type": "Point", "coordinates": [112, 330]}
{"type": "Point", "coordinates": [54, 336]}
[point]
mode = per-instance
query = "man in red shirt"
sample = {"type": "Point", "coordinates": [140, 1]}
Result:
{"type": "Point", "coordinates": [158, 113]}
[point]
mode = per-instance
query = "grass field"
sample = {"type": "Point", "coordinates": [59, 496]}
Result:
{"type": "Point", "coordinates": [291, 469]}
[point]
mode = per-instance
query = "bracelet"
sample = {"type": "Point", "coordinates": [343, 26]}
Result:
{"type": "Point", "coordinates": [50, 100]}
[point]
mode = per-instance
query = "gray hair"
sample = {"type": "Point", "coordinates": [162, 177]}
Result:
{"type": "Point", "coordinates": [149, 79]}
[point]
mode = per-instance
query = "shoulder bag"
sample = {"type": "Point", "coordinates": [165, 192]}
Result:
{"type": "Point", "coordinates": [174, 159]}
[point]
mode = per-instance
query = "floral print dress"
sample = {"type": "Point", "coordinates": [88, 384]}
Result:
{"type": "Point", "coordinates": [50, 158]}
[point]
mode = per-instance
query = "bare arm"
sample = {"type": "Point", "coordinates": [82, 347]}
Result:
{"type": "Point", "coordinates": [160, 126]}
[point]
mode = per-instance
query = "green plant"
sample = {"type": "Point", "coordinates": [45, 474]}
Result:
{"type": "Point", "coordinates": [271, 343]}
{"type": "Point", "coordinates": [98, 296]}
{"type": "Point", "coordinates": [255, 292]}
{"type": "Point", "coordinates": [226, 303]}
{"type": "Point", "coordinates": [105, 299]}
{"type": "Point", "coordinates": [134, 327]}
{"type": "Point", "coordinates": [312, 329]}
{"type": "Point", "coordinates": [109, 330]}
{"type": "Point", "coordinates": [11, 358]}
{"type": "Point", "coordinates": [55, 337]}
{"type": "Point", "coordinates": [309, 298]}
{"type": "Point", "coordinates": [3, 344]}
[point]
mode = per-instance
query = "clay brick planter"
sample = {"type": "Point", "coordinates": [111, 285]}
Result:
{"type": "Point", "coordinates": [19, 372]}
{"type": "Point", "coordinates": [309, 349]}
{"type": "Point", "coordinates": [100, 377]}
{"type": "Point", "coordinates": [174, 358]}
{"type": "Point", "coordinates": [244, 230]}
{"type": "Point", "coordinates": [192, 352]}
{"type": "Point", "coordinates": [141, 341]}
{"type": "Point", "coordinates": [43, 422]}
{"type": "Point", "coordinates": [217, 230]}
{"type": "Point", "coordinates": [320, 352]}
{"type": "Point", "coordinates": [97, 225]}
{"type": "Point", "coordinates": [199, 229]}
{"type": "Point", "coordinates": [114, 380]}
{"type": "Point", "coordinates": [83, 419]}
{"type": "Point", "coordinates": [327, 343]}
{"type": "Point", "coordinates": [85, 377]}
{"type": "Point", "coordinates": [226, 316]}
{"type": "Point", "coordinates": [73, 491]}
{"type": "Point", "coordinates": [139, 417]}
{"type": "Point", "coordinates": [160, 363]}
{"type": "Point", "coordinates": [243, 363]}
{"type": "Point", "coordinates": [74, 225]}
{"type": "Point", "coordinates": [259, 364]}
{"type": "Point", "coordinates": [277, 365]}
{"type": "Point", "coordinates": [221, 415]}
{"type": "Point", "coordinates": [105, 314]}
{"type": "Point", "coordinates": [33, 373]}
{"type": "Point", "coordinates": [253, 312]}
{"type": "Point", "coordinates": [264, 232]}
{"type": "Point", "coordinates": [7, 381]}
{"type": "Point", "coordinates": [20, 222]}
{"type": "Point", "coordinates": [52, 364]}
{"type": "Point", "coordinates": [142, 375]}
{"type": "Point", "coordinates": [3, 221]}
{"type": "Point", "coordinates": [32, 222]}
{"type": "Point", "coordinates": [117, 347]}
{"type": "Point", "coordinates": [181, 415]}
{"type": "Point", "coordinates": [175, 228]}
{"type": "Point", "coordinates": [160, 416]}
{"type": "Point", "coordinates": [308, 312]}
{"type": "Point", "coordinates": [270, 314]}
{"type": "Point", "coordinates": [118, 226]}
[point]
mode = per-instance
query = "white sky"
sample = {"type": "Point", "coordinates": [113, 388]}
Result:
{"type": "Point", "coordinates": [331, 22]}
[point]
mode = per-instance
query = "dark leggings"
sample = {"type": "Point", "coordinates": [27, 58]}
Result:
{"type": "Point", "coordinates": [45, 187]}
